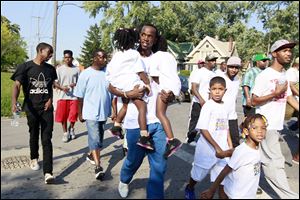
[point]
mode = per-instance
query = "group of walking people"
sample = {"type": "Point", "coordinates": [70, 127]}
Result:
{"type": "Point", "coordinates": [144, 79]}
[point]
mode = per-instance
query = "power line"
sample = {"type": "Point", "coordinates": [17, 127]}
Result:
{"type": "Point", "coordinates": [38, 30]}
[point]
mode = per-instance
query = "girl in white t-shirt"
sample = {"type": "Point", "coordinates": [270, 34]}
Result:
{"type": "Point", "coordinates": [164, 73]}
{"type": "Point", "coordinates": [241, 174]}
{"type": "Point", "coordinates": [125, 71]}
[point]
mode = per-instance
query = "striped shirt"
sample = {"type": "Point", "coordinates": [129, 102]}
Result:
{"type": "Point", "coordinates": [249, 80]}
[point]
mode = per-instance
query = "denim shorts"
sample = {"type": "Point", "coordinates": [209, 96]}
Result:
{"type": "Point", "coordinates": [95, 134]}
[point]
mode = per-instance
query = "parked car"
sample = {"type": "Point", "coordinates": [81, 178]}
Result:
{"type": "Point", "coordinates": [184, 95]}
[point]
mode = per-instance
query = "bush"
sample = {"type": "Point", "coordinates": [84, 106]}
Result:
{"type": "Point", "coordinates": [185, 73]}
{"type": "Point", "coordinates": [6, 90]}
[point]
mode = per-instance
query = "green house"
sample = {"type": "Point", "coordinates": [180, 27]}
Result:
{"type": "Point", "coordinates": [180, 52]}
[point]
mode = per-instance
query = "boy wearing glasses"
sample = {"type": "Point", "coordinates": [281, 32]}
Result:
{"type": "Point", "coordinates": [260, 62]}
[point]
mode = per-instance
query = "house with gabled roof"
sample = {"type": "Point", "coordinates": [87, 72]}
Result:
{"type": "Point", "coordinates": [209, 45]}
{"type": "Point", "coordinates": [180, 51]}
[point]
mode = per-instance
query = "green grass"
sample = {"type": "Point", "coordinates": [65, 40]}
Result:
{"type": "Point", "coordinates": [6, 90]}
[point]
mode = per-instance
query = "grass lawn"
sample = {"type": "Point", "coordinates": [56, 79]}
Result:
{"type": "Point", "coordinates": [6, 90]}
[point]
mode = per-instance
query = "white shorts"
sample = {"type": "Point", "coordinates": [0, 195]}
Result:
{"type": "Point", "coordinates": [198, 173]}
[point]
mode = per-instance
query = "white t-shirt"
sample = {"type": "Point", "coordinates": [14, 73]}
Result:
{"type": "Point", "coordinates": [131, 118]}
{"type": "Point", "coordinates": [242, 181]}
{"type": "Point", "coordinates": [202, 77]}
{"type": "Point", "coordinates": [65, 76]}
{"type": "Point", "coordinates": [293, 76]}
{"type": "Point", "coordinates": [122, 70]}
{"type": "Point", "coordinates": [214, 118]}
{"type": "Point", "coordinates": [193, 73]}
{"type": "Point", "coordinates": [230, 95]}
{"type": "Point", "coordinates": [219, 72]}
{"type": "Point", "coordinates": [165, 67]}
{"type": "Point", "coordinates": [274, 110]}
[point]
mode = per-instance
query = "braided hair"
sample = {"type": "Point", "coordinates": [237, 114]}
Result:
{"type": "Point", "coordinates": [125, 38]}
{"type": "Point", "coordinates": [250, 120]}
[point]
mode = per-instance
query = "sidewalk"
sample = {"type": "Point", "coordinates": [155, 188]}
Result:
{"type": "Point", "coordinates": [74, 175]}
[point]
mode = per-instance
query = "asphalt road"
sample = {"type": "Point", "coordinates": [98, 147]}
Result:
{"type": "Point", "coordinates": [75, 176]}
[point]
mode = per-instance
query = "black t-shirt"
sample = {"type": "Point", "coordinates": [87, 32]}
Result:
{"type": "Point", "coordinates": [37, 81]}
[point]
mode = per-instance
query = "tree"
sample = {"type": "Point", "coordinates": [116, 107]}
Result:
{"type": "Point", "coordinates": [93, 41]}
{"type": "Point", "coordinates": [13, 47]}
{"type": "Point", "coordinates": [184, 21]}
{"type": "Point", "coordinates": [281, 20]}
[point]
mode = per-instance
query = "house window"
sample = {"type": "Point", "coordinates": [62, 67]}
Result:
{"type": "Point", "coordinates": [207, 46]}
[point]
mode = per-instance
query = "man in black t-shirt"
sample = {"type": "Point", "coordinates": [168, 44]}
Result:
{"type": "Point", "coordinates": [37, 78]}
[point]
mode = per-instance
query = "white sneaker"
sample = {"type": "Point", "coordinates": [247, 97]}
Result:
{"type": "Point", "coordinates": [123, 189]}
{"type": "Point", "coordinates": [34, 165]}
{"type": "Point", "coordinates": [49, 178]}
{"type": "Point", "coordinates": [72, 133]}
{"type": "Point", "coordinates": [193, 144]}
{"type": "Point", "coordinates": [66, 137]}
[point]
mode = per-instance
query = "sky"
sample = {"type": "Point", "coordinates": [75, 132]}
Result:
{"type": "Point", "coordinates": [72, 25]}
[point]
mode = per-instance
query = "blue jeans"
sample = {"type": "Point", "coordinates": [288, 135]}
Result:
{"type": "Point", "coordinates": [136, 154]}
{"type": "Point", "coordinates": [95, 134]}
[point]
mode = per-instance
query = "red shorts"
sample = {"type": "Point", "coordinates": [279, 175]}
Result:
{"type": "Point", "coordinates": [66, 110]}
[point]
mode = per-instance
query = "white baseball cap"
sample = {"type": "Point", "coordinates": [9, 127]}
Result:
{"type": "Point", "coordinates": [280, 44]}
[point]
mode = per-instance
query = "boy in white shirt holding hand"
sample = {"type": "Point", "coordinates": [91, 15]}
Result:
{"type": "Point", "coordinates": [215, 142]}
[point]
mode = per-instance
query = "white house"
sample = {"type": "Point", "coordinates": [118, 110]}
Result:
{"type": "Point", "coordinates": [209, 45]}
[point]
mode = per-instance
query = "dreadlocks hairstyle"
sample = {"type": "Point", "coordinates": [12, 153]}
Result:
{"type": "Point", "coordinates": [125, 38]}
{"type": "Point", "coordinates": [155, 47]}
{"type": "Point", "coordinates": [162, 44]}
{"type": "Point", "coordinates": [248, 121]}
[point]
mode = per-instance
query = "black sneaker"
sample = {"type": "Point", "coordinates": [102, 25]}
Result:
{"type": "Point", "coordinates": [125, 150]}
{"type": "Point", "coordinates": [172, 147]}
{"type": "Point", "coordinates": [294, 126]}
{"type": "Point", "coordinates": [259, 191]}
{"type": "Point", "coordinates": [117, 131]}
{"type": "Point", "coordinates": [99, 174]}
{"type": "Point", "coordinates": [146, 142]}
{"type": "Point", "coordinates": [90, 158]}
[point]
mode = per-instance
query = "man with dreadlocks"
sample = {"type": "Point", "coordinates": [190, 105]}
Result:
{"type": "Point", "coordinates": [126, 70]}
{"type": "Point", "coordinates": [148, 44]}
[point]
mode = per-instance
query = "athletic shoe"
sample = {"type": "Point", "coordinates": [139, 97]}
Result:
{"type": "Point", "coordinates": [123, 189]}
{"type": "Point", "coordinates": [172, 147]}
{"type": "Point", "coordinates": [99, 174]}
{"type": "Point", "coordinates": [34, 165]}
{"type": "Point", "coordinates": [66, 137]}
{"type": "Point", "coordinates": [146, 142]}
{"type": "Point", "coordinates": [193, 143]}
{"type": "Point", "coordinates": [117, 131]}
{"type": "Point", "coordinates": [90, 158]}
{"type": "Point", "coordinates": [188, 193]}
{"type": "Point", "coordinates": [259, 191]}
{"type": "Point", "coordinates": [49, 178]}
{"type": "Point", "coordinates": [125, 150]}
{"type": "Point", "coordinates": [72, 133]}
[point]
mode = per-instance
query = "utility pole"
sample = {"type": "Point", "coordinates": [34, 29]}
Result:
{"type": "Point", "coordinates": [54, 37]}
{"type": "Point", "coordinates": [38, 31]}
{"type": "Point", "coordinates": [54, 33]}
